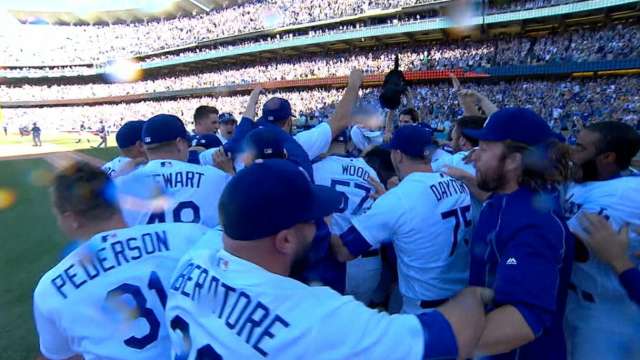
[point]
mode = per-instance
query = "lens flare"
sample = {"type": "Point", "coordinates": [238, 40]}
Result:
{"type": "Point", "coordinates": [7, 198]}
{"type": "Point", "coordinates": [124, 70]}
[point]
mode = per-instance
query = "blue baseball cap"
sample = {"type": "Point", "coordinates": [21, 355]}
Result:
{"type": "Point", "coordinates": [162, 128]}
{"type": "Point", "coordinates": [412, 140]}
{"type": "Point", "coordinates": [129, 134]}
{"type": "Point", "coordinates": [276, 109]}
{"type": "Point", "coordinates": [207, 141]}
{"type": "Point", "coordinates": [226, 117]}
{"type": "Point", "coordinates": [270, 196]}
{"type": "Point", "coordinates": [516, 124]}
{"type": "Point", "coordinates": [265, 143]}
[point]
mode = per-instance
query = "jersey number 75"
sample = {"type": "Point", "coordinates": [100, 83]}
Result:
{"type": "Point", "coordinates": [460, 216]}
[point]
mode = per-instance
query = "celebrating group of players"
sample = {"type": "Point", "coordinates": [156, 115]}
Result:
{"type": "Point", "coordinates": [244, 244]}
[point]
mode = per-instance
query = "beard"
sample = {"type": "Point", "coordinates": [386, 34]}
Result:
{"type": "Point", "coordinates": [491, 180]}
{"type": "Point", "coordinates": [588, 171]}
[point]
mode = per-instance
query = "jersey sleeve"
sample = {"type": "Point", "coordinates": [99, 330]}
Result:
{"type": "Point", "coordinates": [357, 332]}
{"type": "Point", "coordinates": [206, 157]}
{"type": "Point", "coordinates": [379, 223]}
{"type": "Point", "coordinates": [315, 141]}
{"type": "Point", "coordinates": [528, 273]}
{"type": "Point", "coordinates": [53, 342]}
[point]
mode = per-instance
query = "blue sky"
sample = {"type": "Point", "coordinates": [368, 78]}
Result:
{"type": "Point", "coordinates": [81, 5]}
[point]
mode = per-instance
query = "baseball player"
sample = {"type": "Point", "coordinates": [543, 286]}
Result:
{"type": "Point", "coordinates": [461, 145]}
{"type": "Point", "coordinates": [206, 120]}
{"type": "Point", "coordinates": [167, 188]}
{"type": "Point", "coordinates": [521, 247]}
{"type": "Point", "coordinates": [129, 140]}
{"type": "Point", "coordinates": [239, 301]}
{"type": "Point", "coordinates": [277, 113]}
{"type": "Point", "coordinates": [426, 218]}
{"type": "Point", "coordinates": [598, 303]}
{"type": "Point", "coordinates": [106, 299]}
{"type": "Point", "coordinates": [227, 128]}
{"type": "Point", "coordinates": [350, 176]}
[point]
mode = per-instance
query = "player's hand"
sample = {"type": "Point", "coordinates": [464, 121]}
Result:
{"type": "Point", "coordinates": [356, 77]}
{"type": "Point", "coordinates": [223, 161]}
{"type": "Point", "coordinates": [378, 187]}
{"type": "Point", "coordinates": [608, 245]}
{"type": "Point", "coordinates": [387, 137]}
{"type": "Point", "coordinates": [468, 96]}
{"type": "Point", "coordinates": [393, 182]}
{"type": "Point", "coordinates": [455, 82]}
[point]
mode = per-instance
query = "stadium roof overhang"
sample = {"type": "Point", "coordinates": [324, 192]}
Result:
{"type": "Point", "coordinates": [102, 12]}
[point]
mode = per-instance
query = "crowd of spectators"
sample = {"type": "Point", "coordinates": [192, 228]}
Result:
{"type": "Point", "coordinates": [613, 42]}
{"type": "Point", "coordinates": [562, 102]}
{"type": "Point", "coordinates": [95, 44]}
{"type": "Point", "coordinates": [502, 6]}
{"type": "Point", "coordinates": [21, 45]}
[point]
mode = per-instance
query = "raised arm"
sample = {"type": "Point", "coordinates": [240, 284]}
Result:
{"type": "Point", "coordinates": [250, 111]}
{"type": "Point", "coordinates": [342, 118]}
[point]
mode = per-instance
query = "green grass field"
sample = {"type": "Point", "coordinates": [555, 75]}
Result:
{"type": "Point", "coordinates": [30, 245]}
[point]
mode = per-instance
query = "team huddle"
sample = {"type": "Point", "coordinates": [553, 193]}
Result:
{"type": "Point", "coordinates": [245, 241]}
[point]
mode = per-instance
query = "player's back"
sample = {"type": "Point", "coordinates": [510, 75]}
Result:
{"type": "Point", "coordinates": [171, 191]}
{"type": "Point", "coordinates": [427, 217]}
{"type": "Point", "coordinates": [348, 175]}
{"type": "Point", "coordinates": [106, 299]}
{"type": "Point", "coordinates": [221, 306]}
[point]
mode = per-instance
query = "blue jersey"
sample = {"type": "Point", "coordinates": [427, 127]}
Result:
{"type": "Point", "coordinates": [523, 250]}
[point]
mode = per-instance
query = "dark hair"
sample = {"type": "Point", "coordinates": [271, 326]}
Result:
{"type": "Point", "coordinates": [203, 111]}
{"type": "Point", "coordinates": [379, 159]}
{"type": "Point", "coordinates": [618, 138]}
{"type": "Point", "coordinates": [413, 114]}
{"type": "Point", "coordinates": [472, 122]}
{"type": "Point", "coordinates": [86, 191]}
{"type": "Point", "coordinates": [543, 165]}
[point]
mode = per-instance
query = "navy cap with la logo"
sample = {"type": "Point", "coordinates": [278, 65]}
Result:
{"type": "Point", "coordinates": [162, 128]}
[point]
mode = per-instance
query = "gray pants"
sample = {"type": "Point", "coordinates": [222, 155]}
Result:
{"type": "Point", "coordinates": [36, 139]}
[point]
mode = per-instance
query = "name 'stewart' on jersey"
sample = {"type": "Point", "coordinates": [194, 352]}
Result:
{"type": "Point", "coordinates": [93, 262]}
{"type": "Point", "coordinates": [447, 188]}
{"type": "Point", "coordinates": [179, 179]}
{"type": "Point", "coordinates": [249, 319]}
{"type": "Point", "coordinates": [355, 171]}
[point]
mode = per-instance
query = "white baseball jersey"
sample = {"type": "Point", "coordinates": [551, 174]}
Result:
{"type": "Point", "coordinates": [222, 306]}
{"type": "Point", "coordinates": [106, 299]}
{"type": "Point", "coordinates": [427, 218]}
{"type": "Point", "coordinates": [348, 176]}
{"type": "Point", "coordinates": [439, 155]}
{"type": "Point", "coordinates": [315, 141]}
{"type": "Point", "coordinates": [113, 166]}
{"type": "Point", "coordinates": [171, 191]}
{"type": "Point", "coordinates": [600, 305]}
{"type": "Point", "coordinates": [206, 156]}
{"type": "Point", "coordinates": [455, 160]}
